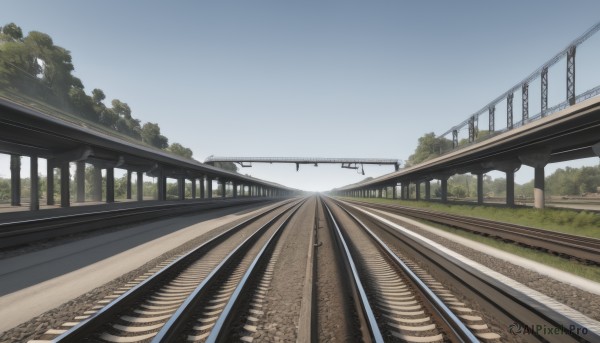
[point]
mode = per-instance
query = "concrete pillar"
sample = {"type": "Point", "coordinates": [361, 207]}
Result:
{"type": "Point", "coordinates": [235, 191]}
{"type": "Point", "coordinates": [510, 188]}
{"type": "Point", "coordinates": [15, 180]}
{"type": "Point", "coordinates": [161, 186]}
{"type": "Point", "coordinates": [480, 188]}
{"type": "Point", "coordinates": [538, 161]}
{"type": "Point", "coordinates": [427, 190]}
{"type": "Point", "coordinates": [140, 186]}
{"type": "Point", "coordinates": [128, 185]}
{"type": "Point", "coordinates": [509, 167]}
{"type": "Point", "coordinates": [209, 187]}
{"type": "Point", "coordinates": [80, 181]}
{"type": "Point", "coordinates": [223, 188]}
{"type": "Point", "coordinates": [110, 185]}
{"type": "Point", "coordinates": [444, 189]}
{"type": "Point", "coordinates": [65, 177]}
{"type": "Point", "coordinates": [202, 195]}
{"type": "Point", "coordinates": [418, 190]}
{"type": "Point", "coordinates": [539, 199]}
{"type": "Point", "coordinates": [181, 188]}
{"type": "Point", "coordinates": [34, 202]}
{"type": "Point", "coordinates": [193, 188]}
{"type": "Point", "coordinates": [97, 184]}
{"type": "Point", "coordinates": [49, 182]}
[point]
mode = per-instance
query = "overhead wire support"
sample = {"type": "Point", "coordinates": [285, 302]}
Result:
{"type": "Point", "coordinates": [543, 69]}
{"type": "Point", "coordinates": [509, 111]}
{"type": "Point", "coordinates": [348, 163]}
{"type": "Point", "coordinates": [544, 91]}
{"type": "Point", "coordinates": [525, 102]}
{"type": "Point", "coordinates": [571, 74]}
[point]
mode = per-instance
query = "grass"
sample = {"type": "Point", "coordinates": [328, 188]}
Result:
{"type": "Point", "coordinates": [568, 221]}
{"type": "Point", "coordinates": [570, 266]}
{"type": "Point", "coordinates": [574, 222]}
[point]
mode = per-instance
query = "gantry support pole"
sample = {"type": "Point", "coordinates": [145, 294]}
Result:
{"type": "Point", "coordinates": [525, 102]}
{"type": "Point", "coordinates": [544, 90]}
{"type": "Point", "coordinates": [571, 74]}
{"type": "Point", "coordinates": [509, 111]}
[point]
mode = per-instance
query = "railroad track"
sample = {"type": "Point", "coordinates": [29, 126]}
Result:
{"type": "Point", "coordinates": [153, 309]}
{"type": "Point", "coordinates": [514, 308]}
{"type": "Point", "coordinates": [396, 305]}
{"type": "Point", "coordinates": [586, 249]}
{"type": "Point", "coordinates": [25, 231]}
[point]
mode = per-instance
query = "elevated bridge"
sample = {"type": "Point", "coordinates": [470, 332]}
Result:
{"type": "Point", "coordinates": [565, 131]}
{"type": "Point", "coordinates": [348, 163]}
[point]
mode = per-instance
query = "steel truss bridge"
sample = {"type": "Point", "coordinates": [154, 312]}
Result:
{"type": "Point", "coordinates": [471, 124]}
{"type": "Point", "coordinates": [348, 163]}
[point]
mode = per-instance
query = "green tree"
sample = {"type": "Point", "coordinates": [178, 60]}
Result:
{"type": "Point", "coordinates": [429, 147]}
{"type": "Point", "coordinates": [151, 135]}
{"type": "Point", "coordinates": [12, 32]}
{"type": "Point", "coordinates": [180, 150]}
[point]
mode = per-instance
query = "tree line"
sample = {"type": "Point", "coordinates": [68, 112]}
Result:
{"type": "Point", "coordinates": [34, 66]}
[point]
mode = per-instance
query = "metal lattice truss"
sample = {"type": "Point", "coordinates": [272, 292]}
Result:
{"type": "Point", "coordinates": [542, 73]}
{"type": "Point", "coordinates": [347, 163]}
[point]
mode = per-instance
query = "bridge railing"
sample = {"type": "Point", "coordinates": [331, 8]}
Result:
{"type": "Point", "coordinates": [468, 132]}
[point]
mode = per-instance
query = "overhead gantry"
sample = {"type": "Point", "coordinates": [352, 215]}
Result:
{"type": "Point", "coordinates": [25, 131]}
{"type": "Point", "coordinates": [348, 163]}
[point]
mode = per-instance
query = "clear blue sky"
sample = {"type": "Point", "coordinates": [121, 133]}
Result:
{"type": "Point", "coordinates": [310, 78]}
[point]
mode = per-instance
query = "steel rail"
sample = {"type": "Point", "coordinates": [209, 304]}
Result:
{"type": "Point", "coordinates": [517, 305]}
{"type": "Point", "coordinates": [172, 329]}
{"type": "Point", "coordinates": [18, 232]}
{"type": "Point", "coordinates": [219, 330]}
{"type": "Point", "coordinates": [86, 327]}
{"type": "Point", "coordinates": [457, 329]}
{"type": "Point", "coordinates": [580, 247]}
{"type": "Point", "coordinates": [365, 306]}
